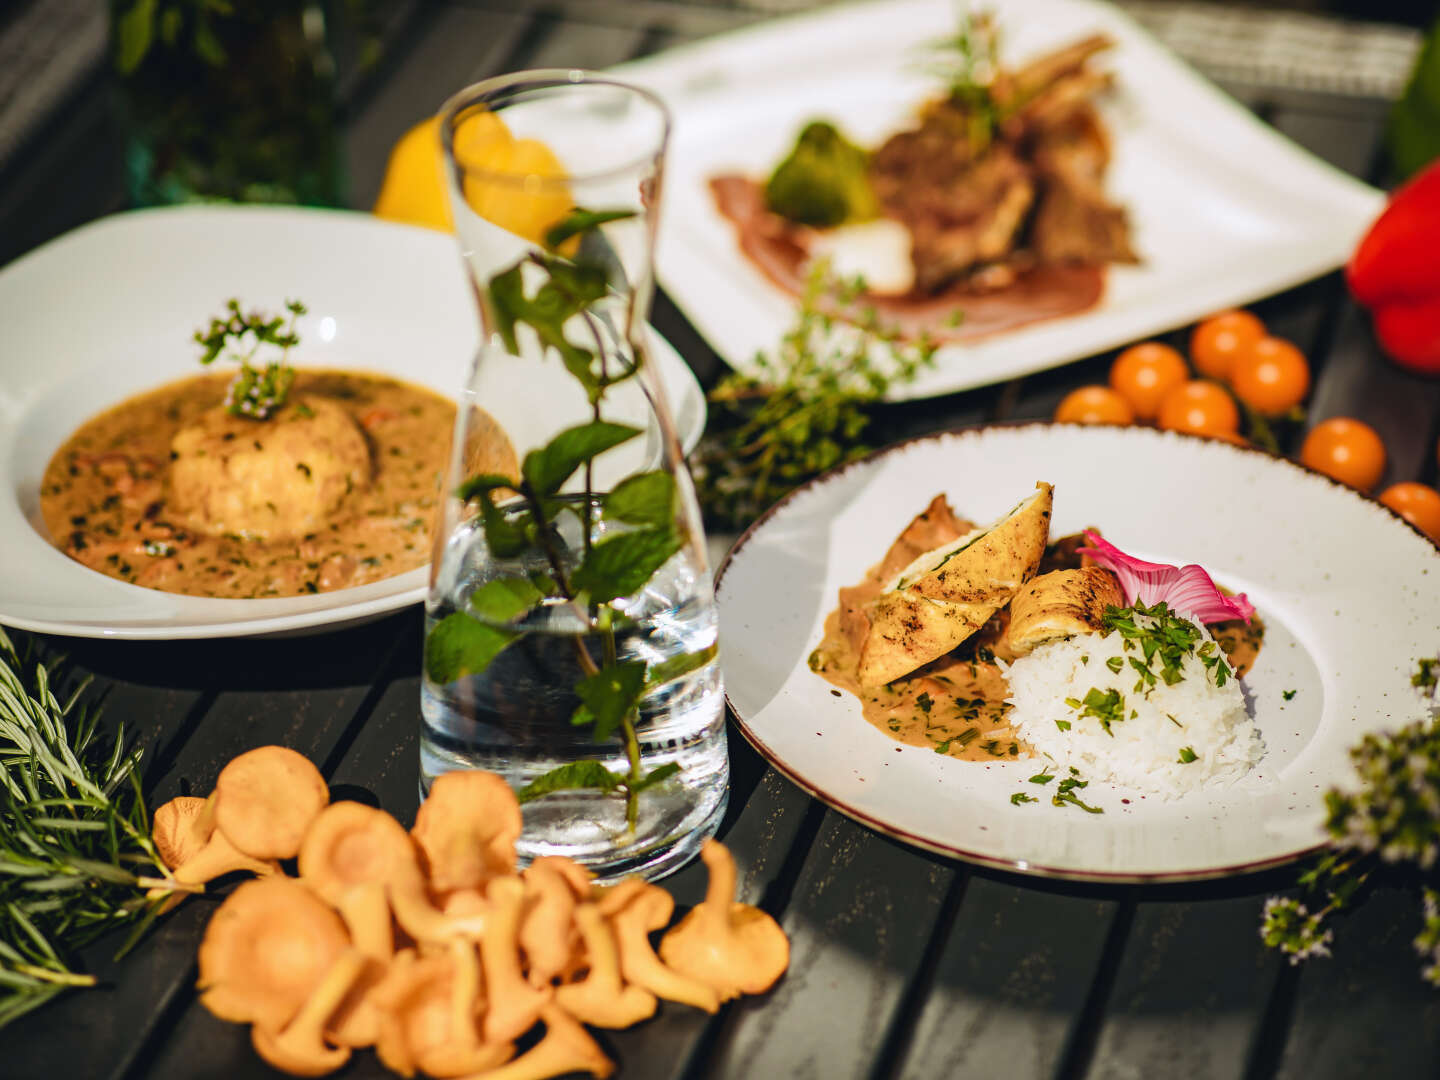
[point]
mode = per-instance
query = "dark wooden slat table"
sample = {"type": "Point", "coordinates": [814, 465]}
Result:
{"type": "Point", "coordinates": [904, 965]}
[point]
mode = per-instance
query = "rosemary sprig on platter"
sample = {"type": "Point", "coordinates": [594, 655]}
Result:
{"type": "Point", "coordinates": [76, 856]}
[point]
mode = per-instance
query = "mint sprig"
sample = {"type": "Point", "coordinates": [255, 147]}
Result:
{"type": "Point", "coordinates": [551, 293]}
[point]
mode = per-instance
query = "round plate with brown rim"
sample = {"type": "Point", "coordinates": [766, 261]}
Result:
{"type": "Point", "coordinates": [1348, 593]}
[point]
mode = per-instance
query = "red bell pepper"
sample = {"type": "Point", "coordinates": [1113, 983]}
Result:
{"type": "Point", "coordinates": [1395, 272]}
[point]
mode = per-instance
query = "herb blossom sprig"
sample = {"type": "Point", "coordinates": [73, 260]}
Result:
{"type": "Point", "coordinates": [804, 409]}
{"type": "Point", "coordinates": [76, 855]}
{"type": "Point", "coordinates": [255, 392]}
{"type": "Point", "coordinates": [1390, 818]}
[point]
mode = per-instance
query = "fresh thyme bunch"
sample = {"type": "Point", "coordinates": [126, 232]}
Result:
{"type": "Point", "coordinates": [1391, 818]}
{"type": "Point", "coordinates": [804, 409]}
{"type": "Point", "coordinates": [75, 845]}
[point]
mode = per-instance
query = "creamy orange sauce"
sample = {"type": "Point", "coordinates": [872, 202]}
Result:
{"type": "Point", "coordinates": [106, 502]}
{"type": "Point", "coordinates": [956, 705]}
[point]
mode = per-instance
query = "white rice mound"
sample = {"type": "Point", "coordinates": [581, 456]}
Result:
{"type": "Point", "coordinates": [1141, 753]}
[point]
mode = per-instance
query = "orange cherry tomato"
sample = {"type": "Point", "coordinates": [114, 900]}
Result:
{"type": "Point", "coordinates": [1217, 341]}
{"type": "Point", "coordinates": [1199, 407]}
{"type": "Point", "coordinates": [1417, 504]}
{"type": "Point", "coordinates": [1272, 376]}
{"type": "Point", "coordinates": [1346, 450]}
{"type": "Point", "coordinates": [1094, 405]}
{"type": "Point", "coordinates": [1144, 373]}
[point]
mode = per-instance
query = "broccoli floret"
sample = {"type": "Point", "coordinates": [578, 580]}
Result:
{"type": "Point", "coordinates": [824, 181]}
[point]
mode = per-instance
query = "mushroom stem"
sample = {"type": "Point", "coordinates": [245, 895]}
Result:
{"type": "Point", "coordinates": [566, 1047]}
{"type": "Point", "coordinates": [219, 857]}
{"type": "Point", "coordinates": [463, 1052]}
{"type": "Point", "coordinates": [545, 932]}
{"type": "Point", "coordinates": [638, 962]}
{"type": "Point", "coordinates": [512, 1003]}
{"type": "Point", "coordinates": [720, 890]}
{"type": "Point", "coordinates": [301, 1048]}
{"type": "Point", "coordinates": [367, 916]}
{"type": "Point", "coordinates": [602, 998]}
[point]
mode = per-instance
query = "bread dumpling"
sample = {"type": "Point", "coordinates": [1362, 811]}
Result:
{"type": "Point", "coordinates": [948, 593]}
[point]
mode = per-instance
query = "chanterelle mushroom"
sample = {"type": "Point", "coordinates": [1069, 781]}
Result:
{"type": "Point", "coordinates": [467, 827]}
{"type": "Point", "coordinates": [547, 933]}
{"type": "Point", "coordinates": [300, 1048]}
{"type": "Point", "coordinates": [512, 1003]}
{"type": "Point", "coordinates": [265, 800]}
{"type": "Point", "coordinates": [267, 948]}
{"type": "Point", "coordinates": [428, 1006]}
{"type": "Point", "coordinates": [650, 910]}
{"type": "Point", "coordinates": [734, 947]}
{"type": "Point", "coordinates": [181, 828]}
{"type": "Point", "coordinates": [566, 1048]}
{"type": "Point", "coordinates": [601, 998]}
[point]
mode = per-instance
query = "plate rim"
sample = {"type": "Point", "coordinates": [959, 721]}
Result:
{"type": "Point", "coordinates": [954, 851]}
{"type": "Point", "coordinates": [257, 622]}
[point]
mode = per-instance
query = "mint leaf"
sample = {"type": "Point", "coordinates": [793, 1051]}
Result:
{"type": "Point", "coordinates": [458, 646]}
{"type": "Point", "coordinates": [507, 304]}
{"type": "Point", "coordinates": [655, 776]}
{"type": "Point", "coordinates": [481, 483]}
{"type": "Point", "coordinates": [611, 693]}
{"type": "Point", "coordinates": [579, 221]}
{"type": "Point", "coordinates": [577, 284]}
{"type": "Point", "coordinates": [576, 775]}
{"type": "Point", "coordinates": [547, 468]}
{"type": "Point", "coordinates": [504, 599]}
{"type": "Point", "coordinates": [620, 565]}
{"type": "Point", "coordinates": [505, 535]}
{"type": "Point", "coordinates": [668, 670]}
{"type": "Point", "coordinates": [643, 499]}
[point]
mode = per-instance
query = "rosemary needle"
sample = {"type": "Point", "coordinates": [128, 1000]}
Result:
{"type": "Point", "coordinates": [75, 844]}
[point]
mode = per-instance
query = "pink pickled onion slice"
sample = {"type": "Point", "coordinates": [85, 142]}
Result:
{"type": "Point", "coordinates": [1187, 589]}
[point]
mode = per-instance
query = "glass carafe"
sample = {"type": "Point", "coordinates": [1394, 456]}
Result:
{"type": "Point", "coordinates": [571, 629]}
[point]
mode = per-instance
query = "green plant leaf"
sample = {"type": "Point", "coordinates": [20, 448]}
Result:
{"type": "Point", "coordinates": [134, 32]}
{"type": "Point", "coordinates": [504, 535]}
{"type": "Point", "coordinates": [506, 303]}
{"type": "Point", "coordinates": [574, 776]}
{"type": "Point", "coordinates": [504, 599]}
{"type": "Point", "coordinates": [483, 482]}
{"type": "Point", "coordinates": [207, 45]}
{"type": "Point", "coordinates": [581, 283]}
{"type": "Point", "coordinates": [620, 565]}
{"type": "Point", "coordinates": [611, 693]}
{"type": "Point", "coordinates": [547, 468]}
{"type": "Point", "coordinates": [655, 776]}
{"type": "Point", "coordinates": [459, 645]}
{"type": "Point", "coordinates": [659, 674]}
{"type": "Point", "coordinates": [643, 499]}
{"type": "Point", "coordinates": [580, 221]}
{"type": "Point", "coordinates": [171, 20]}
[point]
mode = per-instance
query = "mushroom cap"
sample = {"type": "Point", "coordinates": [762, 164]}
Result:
{"type": "Point", "coordinates": [178, 829]}
{"type": "Point", "coordinates": [349, 845]}
{"type": "Point", "coordinates": [266, 949]}
{"type": "Point", "coordinates": [747, 957]}
{"type": "Point", "coordinates": [301, 1048]}
{"type": "Point", "coordinates": [733, 947]}
{"type": "Point", "coordinates": [265, 800]}
{"type": "Point", "coordinates": [467, 828]}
